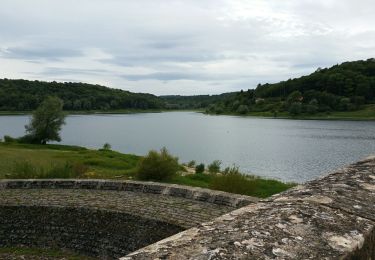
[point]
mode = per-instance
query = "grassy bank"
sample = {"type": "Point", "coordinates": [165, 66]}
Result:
{"type": "Point", "coordinates": [364, 114]}
{"type": "Point", "coordinates": [61, 161]}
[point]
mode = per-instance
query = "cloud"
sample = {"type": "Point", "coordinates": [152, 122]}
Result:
{"type": "Point", "coordinates": [181, 47]}
{"type": "Point", "coordinates": [38, 53]}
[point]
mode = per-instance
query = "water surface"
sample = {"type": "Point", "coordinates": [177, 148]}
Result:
{"type": "Point", "coordinates": [289, 150]}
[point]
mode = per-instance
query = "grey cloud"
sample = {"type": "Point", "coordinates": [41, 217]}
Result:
{"type": "Point", "coordinates": [219, 44]}
{"type": "Point", "coordinates": [55, 71]}
{"type": "Point", "coordinates": [173, 76]}
{"type": "Point", "coordinates": [154, 58]}
{"type": "Point", "coordinates": [163, 76]}
{"type": "Point", "coordinates": [39, 53]}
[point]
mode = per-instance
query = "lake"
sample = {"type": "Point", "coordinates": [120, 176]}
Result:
{"type": "Point", "coordinates": [289, 150]}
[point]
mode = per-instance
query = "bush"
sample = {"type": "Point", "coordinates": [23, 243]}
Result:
{"type": "Point", "coordinates": [199, 168]}
{"type": "Point", "coordinates": [27, 139]}
{"type": "Point", "coordinates": [157, 166]}
{"type": "Point", "coordinates": [295, 108]}
{"type": "Point", "coordinates": [191, 163]}
{"type": "Point", "coordinates": [106, 147]}
{"type": "Point", "coordinates": [231, 180]}
{"type": "Point", "coordinates": [9, 139]}
{"type": "Point", "coordinates": [242, 109]}
{"type": "Point", "coordinates": [27, 170]}
{"type": "Point", "coordinates": [214, 167]}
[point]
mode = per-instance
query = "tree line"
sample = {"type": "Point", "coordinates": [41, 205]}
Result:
{"type": "Point", "coordinates": [25, 95]}
{"type": "Point", "coordinates": [344, 87]}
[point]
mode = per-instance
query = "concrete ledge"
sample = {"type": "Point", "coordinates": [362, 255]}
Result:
{"type": "Point", "coordinates": [194, 193]}
{"type": "Point", "coordinates": [329, 218]}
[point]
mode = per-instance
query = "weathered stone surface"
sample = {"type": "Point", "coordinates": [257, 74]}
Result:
{"type": "Point", "coordinates": [351, 189]}
{"type": "Point", "coordinates": [178, 211]}
{"type": "Point", "coordinates": [193, 193]}
{"type": "Point", "coordinates": [329, 218]}
{"type": "Point", "coordinates": [268, 231]}
{"type": "Point", "coordinates": [101, 233]}
{"type": "Point", "coordinates": [103, 218]}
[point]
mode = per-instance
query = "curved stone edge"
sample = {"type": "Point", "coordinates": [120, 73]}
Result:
{"type": "Point", "coordinates": [332, 217]}
{"type": "Point", "coordinates": [194, 193]}
{"type": "Point", "coordinates": [98, 232]}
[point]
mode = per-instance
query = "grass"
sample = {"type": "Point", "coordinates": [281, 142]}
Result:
{"type": "Point", "coordinates": [246, 185]}
{"type": "Point", "coordinates": [25, 253]}
{"type": "Point", "coordinates": [60, 161]}
{"type": "Point", "coordinates": [26, 161]}
{"type": "Point", "coordinates": [366, 113]}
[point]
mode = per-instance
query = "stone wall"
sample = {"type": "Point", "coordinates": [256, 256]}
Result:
{"type": "Point", "coordinates": [193, 193]}
{"type": "Point", "coordinates": [105, 219]}
{"type": "Point", "coordinates": [329, 218]}
{"type": "Point", "coordinates": [105, 234]}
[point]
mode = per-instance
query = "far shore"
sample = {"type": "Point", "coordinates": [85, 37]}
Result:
{"type": "Point", "coordinates": [359, 115]}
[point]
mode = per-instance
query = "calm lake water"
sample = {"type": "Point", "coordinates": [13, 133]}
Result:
{"type": "Point", "coordinates": [289, 150]}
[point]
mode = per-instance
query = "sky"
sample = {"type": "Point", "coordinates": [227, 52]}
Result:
{"type": "Point", "coordinates": [189, 47]}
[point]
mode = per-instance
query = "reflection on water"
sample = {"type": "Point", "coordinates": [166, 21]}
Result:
{"type": "Point", "coordinates": [290, 150]}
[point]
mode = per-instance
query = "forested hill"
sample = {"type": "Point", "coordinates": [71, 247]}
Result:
{"type": "Point", "coordinates": [348, 79]}
{"type": "Point", "coordinates": [24, 95]}
{"type": "Point", "coordinates": [194, 102]}
{"type": "Point", "coordinates": [345, 87]}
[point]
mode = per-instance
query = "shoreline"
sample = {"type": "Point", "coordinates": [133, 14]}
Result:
{"type": "Point", "coordinates": [100, 112]}
{"type": "Point", "coordinates": [263, 115]}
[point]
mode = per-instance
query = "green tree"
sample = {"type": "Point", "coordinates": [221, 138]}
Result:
{"type": "Point", "coordinates": [106, 147]}
{"type": "Point", "coordinates": [46, 121]}
{"type": "Point", "coordinates": [312, 107]}
{"type": "Point", "coordinates": [214, 167]}
{"type": "Point", "coordinates": [199, 168]}
{"type": "Point", "coordinates": [295, 96]}
{"type": "Point", "coordinates": [295, 108]}
{"type": "Point", "coordinates": [242, 109]}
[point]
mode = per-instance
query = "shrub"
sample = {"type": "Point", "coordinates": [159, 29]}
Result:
{"type": "Point", "coordinates": [311, 109]}
{"type": "Point", "coordinates": [242, 109]}
{"type": "Point", "coordinates": [295, 108]}
{"type": "Point", "coordinates": [27, 139]}
{"type": "Point", "coordinates": [214, 167]}
{"type": "Point", "coordinates": [27, 170]}
{"type": "Point", "coordinates": [157, 166]}
{"type": "Point", "coordinates": [9, 139]}
{"type": "Point", "coordinates": [106, 147]}
{"type": "Point", "coordinates": [191, 163]}
{"type": "Point", "coordinates": [199, 168]}
{"type": "Point", "coordinates": [231, 180]}
{"type": "Point", "coordinates": [344, 104]}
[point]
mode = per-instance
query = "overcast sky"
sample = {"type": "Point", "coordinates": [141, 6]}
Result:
{"type": "Point", "coordinates": [181, 47]}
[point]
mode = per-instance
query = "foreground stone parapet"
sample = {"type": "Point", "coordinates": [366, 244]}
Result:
{"type": "Point", "coordinates": [329, 218]}
{"type": "Point", "coordinates": [173, 190]}
{"type": "Point", "coordinates": [101, 233]}
{"type": "Point", "coordinates": [178, 211]}
{"type": "Point", "coordinates": [100, 218]}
